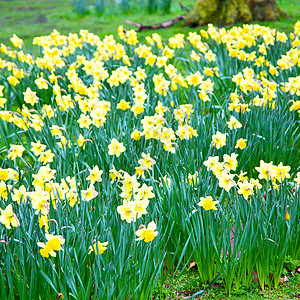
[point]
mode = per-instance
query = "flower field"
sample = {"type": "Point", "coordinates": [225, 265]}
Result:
{"type": "Point", "coordinates": [123, 161]}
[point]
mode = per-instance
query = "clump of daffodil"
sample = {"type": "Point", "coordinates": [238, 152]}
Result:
{"type": "Point", "coordinates": [135, 198]}
{"type": "Point", "coordinates": [269, 171]}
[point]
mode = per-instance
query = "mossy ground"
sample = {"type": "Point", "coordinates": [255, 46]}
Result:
{"type": "Point", "coordinates": [188, 285]}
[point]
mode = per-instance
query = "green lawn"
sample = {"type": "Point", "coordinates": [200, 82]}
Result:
{"type": "Point", "coordinates": [30, 18]}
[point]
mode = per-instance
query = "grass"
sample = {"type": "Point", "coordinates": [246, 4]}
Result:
{"type": "Point", "coordinates": [33, 18]}
{"type": "Point", "coordinates": [29, 19]}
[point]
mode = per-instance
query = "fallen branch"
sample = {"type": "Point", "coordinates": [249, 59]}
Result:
{"type": "Point", "coordinates": [184, 7]}
{"type": "Point", "coordinates": [283, 14]}
{"type": "Point", "coordinates": [165, 24]}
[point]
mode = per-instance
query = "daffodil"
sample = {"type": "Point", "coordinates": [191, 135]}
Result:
{"type": "Point", "coordinates": [98, 248]}
{"type": "Point", "coordinates": [230, 162]}
{"type": "Point", "coordinates": [127, 211]}
{"type": "Point", "coordinates": [8, 217]}
{"type": "Point", "coordinates": [241, 143]}
{"type": "Point", "coordinates": [30, 97]}
{"type": "Point", "coordinates": [266, 170]}
{"type": "Point", "coordinates": [233, 123]}
{"type": "Point", "coordinates": [81, 141]}
{"type": "Point", "coordinates": [123, 105]}
{"type": "Point", "coordinates": [15, 151]}
{"type": "Point", "coordinates": [46, 157]}
{"type": "Point", "coordinates": [245, 188]}
{"type": "Point", "coordinates": [89, 194]}
{"type": "Point", "coordinates": [219, 140]}
{"type": "Point", "coordinates": [19, 194]}
{"type": "Point", "coordinates": [54, 243]}
{"type": "Point", "coordinates": [136, 135]}
{"type": "Point", "coordinates": [95, 175]}
{"type": "Point", "coordinates": [114, 174]}
{"type": "Point", "coordinates": [147, 233]}
{"type": "Point", "coordinates": [226, 180]}
{"type": "Point", "coordinates": [281, 172]}
{"type": "Point", "coordinates": [193, 179]}
{"type": "Point", "coordinates": [115, 148]}
{"type": "Point", "coordinates": [207, 203]}
{"type": "Point", "coordinates": [37, 148]}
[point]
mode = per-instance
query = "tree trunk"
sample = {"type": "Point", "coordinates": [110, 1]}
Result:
{"type": "Point", "coordinates": [228, 12]}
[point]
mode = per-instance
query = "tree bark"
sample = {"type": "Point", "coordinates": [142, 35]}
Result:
{"type": "Point", "coordinates": [228, 12]}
